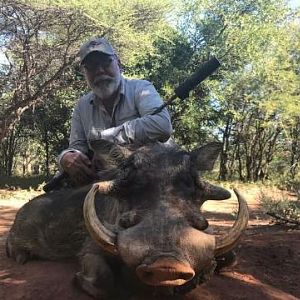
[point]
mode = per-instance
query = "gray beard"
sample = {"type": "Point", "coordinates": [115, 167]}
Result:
{"type": "Point", "coordinates": [105, 89]}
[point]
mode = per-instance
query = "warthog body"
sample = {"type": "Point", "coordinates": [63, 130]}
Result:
{"type": "Point", "coordinates": [142, 217]}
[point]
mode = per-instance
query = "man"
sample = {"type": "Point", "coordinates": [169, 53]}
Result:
{"type": "Point", "coordinates": [117, 110]}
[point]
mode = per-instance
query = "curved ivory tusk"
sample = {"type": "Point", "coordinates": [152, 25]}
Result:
{"type": "Point", "coordinates": [228, 241]}
{"type": "Point", "coordinates": [103, 236]}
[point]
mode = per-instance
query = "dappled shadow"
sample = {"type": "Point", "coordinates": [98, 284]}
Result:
{"type": "Point", "coordinates": [255, 229]}
{"type": "Point", "coordinates": [219, 216]}
{"type": "Point", "coordinates": [222, 221]}
{"type": "Point", "coordinates": [237, 286]}
{"type": "Point", "coordinates": [228, 286]}
{"type": "Point", "coordinates": [272, 257]}
{"type": "Point", "coordinates": [254, 214]}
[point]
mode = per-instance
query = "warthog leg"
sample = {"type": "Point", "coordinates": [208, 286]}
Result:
{"type": "Point", "coordinates": [20, 255]}
{"type": "Point", "coordinates": [226, 260]}
{"type": "Point", "coordinates": [96, 276]}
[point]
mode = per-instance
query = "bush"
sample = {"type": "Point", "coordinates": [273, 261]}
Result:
{"type": "Point", "coordinates": [18, 183]}
{"type": "Point", "coordinates": [288, 183]}
{"type": "Point", "coordinates": [282, 210]}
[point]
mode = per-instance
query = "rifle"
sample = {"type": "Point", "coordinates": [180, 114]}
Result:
{"type": "Point", "coordinates": [183, 90]}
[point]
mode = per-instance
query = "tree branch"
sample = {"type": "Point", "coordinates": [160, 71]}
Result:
{"type": "Point", "coordinates": [286, 220]}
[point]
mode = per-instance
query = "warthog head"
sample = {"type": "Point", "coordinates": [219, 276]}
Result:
{"type": "Point", "coordinates": [159, 230]}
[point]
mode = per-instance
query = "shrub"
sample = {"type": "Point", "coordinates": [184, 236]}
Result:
{"type": "Point", "coordinates": [282, 210]}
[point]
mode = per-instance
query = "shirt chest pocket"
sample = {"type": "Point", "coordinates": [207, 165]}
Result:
{"type": "Point", "coordinates": [127, 108]}
{"type": "Point", "coordinates": [126, 114]}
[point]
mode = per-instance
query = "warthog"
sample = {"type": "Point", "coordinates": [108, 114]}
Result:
{"type": "Point", "coordinates": [141, 218]}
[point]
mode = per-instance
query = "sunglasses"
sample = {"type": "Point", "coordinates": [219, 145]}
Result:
{"type": "Point", "coordinates": [94, 64]}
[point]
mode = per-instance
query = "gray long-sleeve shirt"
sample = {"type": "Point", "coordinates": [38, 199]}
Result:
{"type": "Point", "coordinates": [130, 121]}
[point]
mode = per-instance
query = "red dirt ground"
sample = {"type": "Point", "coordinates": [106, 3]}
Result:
{"type": "Point", "coordinates": [268, 264]}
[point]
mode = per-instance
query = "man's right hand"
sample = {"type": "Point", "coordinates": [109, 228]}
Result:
{"type": "Point", "coordinates": [79, 168]}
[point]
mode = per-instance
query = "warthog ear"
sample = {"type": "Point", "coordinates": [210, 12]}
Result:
{"type": "Point", "coordinates": [204, 157]}
{"type": "Point", "coordinates": [111, 153]}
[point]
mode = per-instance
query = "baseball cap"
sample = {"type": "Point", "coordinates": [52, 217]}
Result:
{"type": "Point", "coordinates": [95, 44]}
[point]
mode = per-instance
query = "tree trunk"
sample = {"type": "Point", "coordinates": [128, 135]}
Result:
{"type": "Point", "coordinates": [223, 173]}
{"type": "Point", "coordinates": [46, 143]}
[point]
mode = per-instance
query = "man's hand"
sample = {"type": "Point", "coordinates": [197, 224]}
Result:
{"type": "Point", "coordinates": [78, 167]}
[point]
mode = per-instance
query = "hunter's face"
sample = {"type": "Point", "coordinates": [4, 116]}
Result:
{"type": "Point", "coordinates": [102, 73]}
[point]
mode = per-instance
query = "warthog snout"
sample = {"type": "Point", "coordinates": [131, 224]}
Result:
{"type": "Point", "coordinates": [165, 272]}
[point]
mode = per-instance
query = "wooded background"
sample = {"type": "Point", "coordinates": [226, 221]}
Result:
{"type": "Point", "coordinates": [251, 103]}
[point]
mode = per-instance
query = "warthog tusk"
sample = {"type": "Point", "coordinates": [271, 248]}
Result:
{"type": "Point", "coordinates": [103, 236]}
{"type": "Point", "coordinates": [228, 241]}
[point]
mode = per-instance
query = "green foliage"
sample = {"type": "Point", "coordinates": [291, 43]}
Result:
{"type": "Point", "coordinates": [39, 44]}
{"type": "Point", "coordinates": [130, 25]}
{"type": "Point", "coordinates": [41, 86]}
{"type": "Point", "coordinates": [283, 210]}
{"type": "Point", "coordinates": [167, 64]}
{"type": "Point", "coordinates": [17, 182]}
{"type": "Point", "coordinates": [251, 103]}
{"type": "Point", "coordinates": [286, 182]}
{"type": "Point", "coordinates": [254, 102]}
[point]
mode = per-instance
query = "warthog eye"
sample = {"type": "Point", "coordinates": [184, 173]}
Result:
{"type": "Point", "coordinates": [184, 184]}
{"type": "Point", "coordinates": [129, 219]}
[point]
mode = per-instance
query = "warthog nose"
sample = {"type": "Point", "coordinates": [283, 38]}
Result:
{"type": "Point", "coordinates": [165, 272]}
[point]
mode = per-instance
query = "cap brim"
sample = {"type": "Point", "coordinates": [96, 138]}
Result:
{"type": "Point", "coordinates": [96, 49]}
